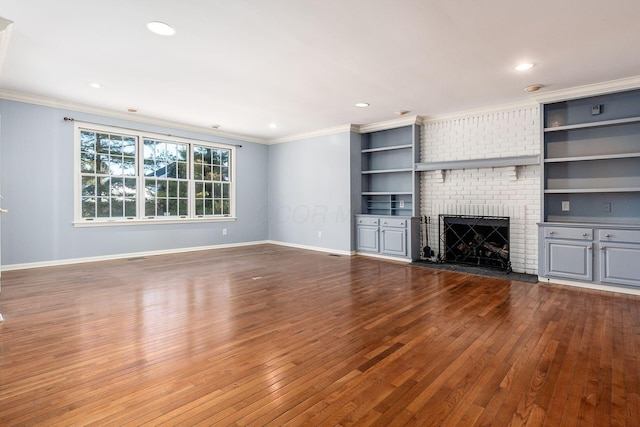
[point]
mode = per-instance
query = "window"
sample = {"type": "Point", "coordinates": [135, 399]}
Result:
{"type": "Point", "coordinates": [131, 176]}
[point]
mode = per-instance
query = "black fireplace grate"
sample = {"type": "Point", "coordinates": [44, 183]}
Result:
{"type": "Point", "coordinates": [481, 241]}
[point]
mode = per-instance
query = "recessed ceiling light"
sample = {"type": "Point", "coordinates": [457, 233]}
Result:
{"type": "Point", "coordinates": [215, 126]}
{"type": "Point", "coordinates": [524, 66]}
{"type": "Point", "coordinates": [273, 125]}
{"type": "Point", "coordinates": [161, 28]}
{"type": "Point", "coordinates": [132, 110]}
{"type": "Point", "coordinates": [362, 104]}
{"type": "Point", "coordinates": [95, 85]}
{"type": "Point", "coordinates": [402, 112]}
{"type": "Point", "coordinates": [533, 88]}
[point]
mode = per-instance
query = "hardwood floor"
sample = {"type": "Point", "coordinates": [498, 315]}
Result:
{"type": "Point", "coordinates": [268, 335]}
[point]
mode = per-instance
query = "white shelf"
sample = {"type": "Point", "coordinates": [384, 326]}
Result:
{"type": "Point", "coordinates": [387, 171]}
{"type": "Point", "coordinates": [595, 157]}
{"type": "Point", "coordinates": [390, 148]}
{"type": "Point", "coordinates": [592, 190]}
{"type": "Point", "coordinates": [593, 124]}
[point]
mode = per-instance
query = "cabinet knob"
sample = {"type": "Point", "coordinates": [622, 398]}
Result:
{"type": "Point", "coordinates": [589, 247]}
{"type": "Point", "coordinates": [584, 234]}
{"type": "Point", "coordinates": [607, 235]}
{"type": "Point", "coordinates": [551, 232]}
{"type": "Point", "coordinates": [384, 222]}
{"type": "Point", "coordinates": [602, 248]}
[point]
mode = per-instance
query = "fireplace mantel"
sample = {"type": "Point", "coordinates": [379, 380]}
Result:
{"type": "Point", "coordinates": [493, 162]}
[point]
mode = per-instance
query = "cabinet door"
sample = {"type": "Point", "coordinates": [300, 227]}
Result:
{"type": "Point", "coordinates": [569, 259]}
{"type": "Point", "coordinates": [620, 264]}
{"type": "Point", "coordinates": [394, 241]}
{"type": "Point", "coordinates": [368, 239]}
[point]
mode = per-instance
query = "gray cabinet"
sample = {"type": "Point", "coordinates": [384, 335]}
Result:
{"type": "Point", "coordinates": [619, 256]}
{"type": "Point", "coordinates": [596, 254]}
{"type": "Point", "coordinates": [387, 235]}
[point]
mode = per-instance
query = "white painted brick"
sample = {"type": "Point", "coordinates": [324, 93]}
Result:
{"type": "Point", "coordinates": [502, 134]}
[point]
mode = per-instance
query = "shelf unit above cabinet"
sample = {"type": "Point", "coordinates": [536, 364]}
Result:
{"type": "Point", "coordinates": [389, 180]}
{"type": "Point", "coordinates": [591, 164]}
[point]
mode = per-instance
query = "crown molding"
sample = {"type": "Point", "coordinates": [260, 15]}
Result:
{"type": "Point", "coordinates": [83, 108]}
{"type": "Point", "coordinates": [589, 90]}
{"type": "Point", "coordinates": [313, 134]}
{"type": "Point", "coordinates": [481, 111]}
{"type": "Point", "coordinates": [390, 124]}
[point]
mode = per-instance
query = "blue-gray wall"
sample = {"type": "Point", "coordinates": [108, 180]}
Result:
{"type": "Point", "coordinates": [310, 191]}
{"type": "Point", "coordinates": [36, 180]}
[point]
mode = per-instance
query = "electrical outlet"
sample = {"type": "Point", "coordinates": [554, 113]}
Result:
{"type": "Point", "coordinates": [565, 206]}
{"type": "Point", "coordinates": [402, 203]}
{"type": "Point", "coordinates": [606, 207]}
{"type": "Point", "coordinates": [319, 234]}
{"type": "Point", "coordinates": [224, 231]}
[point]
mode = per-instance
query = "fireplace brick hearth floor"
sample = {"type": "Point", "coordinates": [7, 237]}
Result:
{"type": "Point", "coordinates": [482, 271]}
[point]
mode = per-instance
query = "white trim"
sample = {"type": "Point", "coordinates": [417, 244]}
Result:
{"type": "Point", "coordinates": [589, 90]}
{"type": "Point", "coordinates": [70, 261]}
{"type": "Point", "coordinates": [149, 221]}
{"type": "Point", "coordinates": [68, 105]}
{"type": "Point", "coordinates": [594, 286]}
{"type": "Point", "coordinates": [481, 111]}
{"type": "Point", "coordinates": [390, 124]}
{"type": "Point", "coordinates": [315, 133]}
{"type": "Point", "coordinates": [385, 257]}
{"type": "Point", "coordinates": [311, 248]}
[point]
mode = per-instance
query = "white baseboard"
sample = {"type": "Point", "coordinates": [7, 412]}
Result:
{"type": "Point", "coordinates": [593, 286]}
{"type": "Point", "coordinates": [70, 261]}
{"type": "Point", "coordinates": [312, 248]}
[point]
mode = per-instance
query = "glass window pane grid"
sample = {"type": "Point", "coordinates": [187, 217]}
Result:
{"type": "Point", "coordinates": [109, 177]}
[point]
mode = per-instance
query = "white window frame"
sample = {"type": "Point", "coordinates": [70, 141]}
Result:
{"type": "Point", "coordinates": [140, 217]}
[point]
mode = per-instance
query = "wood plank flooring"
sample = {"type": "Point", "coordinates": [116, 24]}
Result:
{"type": "Point", "coordinates": [268, 335]}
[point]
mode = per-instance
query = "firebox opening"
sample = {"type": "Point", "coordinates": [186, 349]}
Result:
{"type": "Point", "coordinates": [481, 241]}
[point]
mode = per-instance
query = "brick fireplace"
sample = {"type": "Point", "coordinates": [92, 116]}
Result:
{"type": "Point", "coordinates": [473, 165]}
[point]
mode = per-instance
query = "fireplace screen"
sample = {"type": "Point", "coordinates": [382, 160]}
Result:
{"type": "Point", "coordinates": [481, 241]}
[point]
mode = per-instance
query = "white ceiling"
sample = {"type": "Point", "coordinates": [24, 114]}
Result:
{"type": "Point", "coordinates": [303, 64]}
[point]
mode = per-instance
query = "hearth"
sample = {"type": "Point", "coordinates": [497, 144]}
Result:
{"type": "Point", "coordinates": [481, 241]}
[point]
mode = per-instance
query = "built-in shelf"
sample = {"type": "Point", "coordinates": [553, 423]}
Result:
{"type": "Point", "coordinates": [387, 171]}
{"type": "Point", "coordinates": [593, 124]}
{"type": "Point", "coordinates": [493, 162]}
{"type": "Point", "coordinates": [387, 193]}
{"type": "Point", "coordinates": [592, 190]}
{"type": "Point", "coordinates": [595, 157]}
{"type": "Point", "coordinates": [391, 148]}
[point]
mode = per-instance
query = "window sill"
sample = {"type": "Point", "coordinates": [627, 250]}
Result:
{"type": "Point", "coordinates": [154, 221]}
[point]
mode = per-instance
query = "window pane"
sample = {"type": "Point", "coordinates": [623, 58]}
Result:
{"type": "Point", "coordinates": [217, 207]}
{"type": "Point", "coordinates": [224, 160]}
{"type": "Point", "coordinates": [173, 188]}
{"type": "Point", "coordinates": [225, 174]}
{"type": "Point", "coordinates": [115, 146]}
{"type": "Point", "coordinates": [216, 157]}
{"type": "Point", "coordinates": [172, 206]}
{"type": "Point", "coordinates": [88, 207]}
{"type": "Point", "coordinates": [103, 143]}
{"type": "Point", "coordinates": [88, 142]}
{"type": "Point", "coordinates": [216, 173]}
{"type": "Point", "coordinates": [182, 170]}
{"type": "Point", "coordinates": [88, 186]}
{"type": "Point", "coordinates": [88, 162]}
{"type": "Point", "coordinates": [183, 207]}
{"type": "Point", "coordinates": [129, 166]}
{"type": "Point", "coordinates": [130, 207]}
{"type": "Point", "coordinates": [103, 187]}
{"type": "Point", "coordinates": [208, 207]}
{"type": "Point", "coordinates": [129, 146]}
{"type": "Point", "coordinates": [183, 190]}
{"type": "Point", "coordinates": [117, 208]}
{"type": "Point", "coordinates": [149, 207]}
{"type": "Point", "coordinates": [226, 210]}
{"type": "Point", "coordinates": [104, 210]}
{"type": "Point", "coordinates": [200, 207]}
{"type": "Point", "coordinates": [225, 190]}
